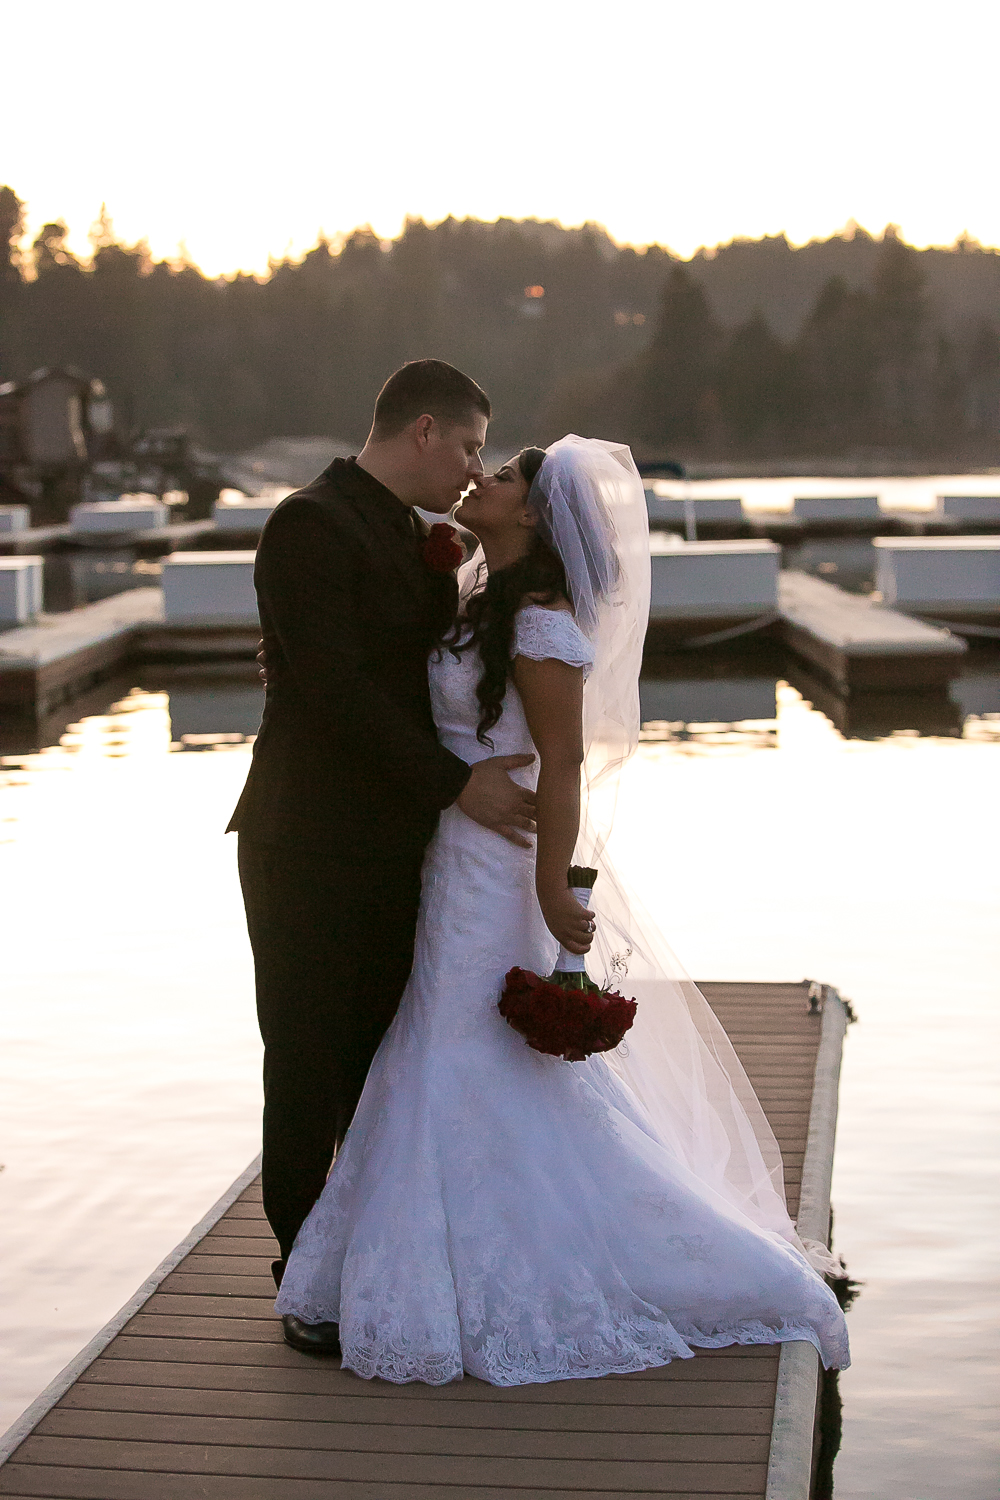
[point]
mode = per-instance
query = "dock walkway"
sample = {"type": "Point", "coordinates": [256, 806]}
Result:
{"type": "Point", "coordinates": [862, 644]}
{"type": "Point", "coordinates": [190, 1393]}
{"type": "Point", "coordinates": [59, 655]}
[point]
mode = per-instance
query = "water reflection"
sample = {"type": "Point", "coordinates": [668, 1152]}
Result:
{"type": "Point", "coordinates": [697, 697]}
{"type": "Point", "coordinates": [206, 705]}
{"type": "Point", "coordinates": [871, 862]}
{"type": "Point", "coordinates": [686, 701]}
{"type": "Point", "coordinates": [225, 710]}
{"type": "Point", "coordinates": [977, 691]}
{"type": "Point", "coordinates": [768, 843]}
{"type": "Point", "coordinates": [129, 1065]}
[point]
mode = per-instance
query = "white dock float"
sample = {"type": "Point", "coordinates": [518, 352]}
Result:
{"type": "Point", "coordinates": [836, 508]}
{"type": "Point", "coordinates": [862, 644]}
{"type": "Point", "coordinates": [20, 589]}
{"type": "Point", "coordinates": [950, 577]}
{"type": "Point", "coordinates": [248, 514]}
{"type": "Point", "coordinates": [14, 518]}
{"type": "Point", "coordinates": [981, 508]}
{"type": "Point", "coordinates": [675, 511]}
{"type": "Point", "coordinates": [209, 589]}
{"type": "Point", "coordinates": [129, 513]}
{"type": "Point", "coordinates": [702, 587]}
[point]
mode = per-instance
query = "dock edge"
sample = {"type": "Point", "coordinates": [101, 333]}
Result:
{"type": "Point", "coordinates": [57, 1388]}
{"type": "Point", "coordinates": [790, 1462]}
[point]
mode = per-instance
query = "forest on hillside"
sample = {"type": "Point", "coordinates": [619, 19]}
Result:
{"type": "Point", "coordinates": [847, 347]}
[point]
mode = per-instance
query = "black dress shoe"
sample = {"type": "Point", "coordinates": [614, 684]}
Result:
{"type": "Point", "coordinates": [311, 1338]}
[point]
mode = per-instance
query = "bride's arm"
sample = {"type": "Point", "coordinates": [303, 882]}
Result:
{"type": "Point", "coordinates": [552, 695]}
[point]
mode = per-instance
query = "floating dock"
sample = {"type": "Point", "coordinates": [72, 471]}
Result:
{"type": "Point", "coordinates": [128, 513]}
{"type": "Point", "coordinates": [731, 508]}
{"type": "Point", "coordinates": [858, 643]}
{"type": "Point", "coordinates": [209, 588]}
{"type": "Point", "coordinates": [20, 590]}
{"type": "Point", "coordinates": [151, 539]}
{"type": "Point", "coordinates": [703, 591]}
{"type": "Point", "coordinates": [32, 539]}
{"type": "Point", "coordinates": [189, 1393]}
{"type": "Point", "coordinates": [43, 663]}
{"type": "Point", "coordinates": [246, 516]}
{"type": "Point", "coordinates": [950, 578]}
{"type": "Point", "coordinates": [58, 655]}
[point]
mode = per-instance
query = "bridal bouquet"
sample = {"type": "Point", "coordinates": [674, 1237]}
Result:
{"type": "Point", "coordinates": [566, 1014]}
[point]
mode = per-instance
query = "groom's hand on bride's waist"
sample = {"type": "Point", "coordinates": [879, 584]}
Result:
{"type": "Point", "coordinates": [489, 797]}
{"type": "Point", "coordinates": [492, 798]}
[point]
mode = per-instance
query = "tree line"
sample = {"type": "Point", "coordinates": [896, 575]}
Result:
{"type": "Point", "coordinates": [847, 346]}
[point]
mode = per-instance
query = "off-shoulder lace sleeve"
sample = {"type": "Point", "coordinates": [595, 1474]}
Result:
{"type": "Point", "coordinates": [551, 634]}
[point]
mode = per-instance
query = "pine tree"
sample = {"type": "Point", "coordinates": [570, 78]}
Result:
{"type": "Point", "coordinates": [759, 389]}
{"type": "Point", "coordinates": [982, 389]}
{"type": "Point", "coordinates": [674, 386]}
{"type": "Point", "coordinates": [11, 228]}
{"type": "Point", "coordinates": [50, 251]}
{"type": "Point", "coordinates": [837, 360]}
{"type": "Point", "coordinates": [904, 361]}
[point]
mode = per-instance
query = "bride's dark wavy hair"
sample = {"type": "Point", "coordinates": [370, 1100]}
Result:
{"type": "Point", "coordinates": [490, 611]}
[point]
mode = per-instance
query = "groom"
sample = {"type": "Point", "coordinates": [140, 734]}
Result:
{"type": "Point", "coordinates": [348, 779]}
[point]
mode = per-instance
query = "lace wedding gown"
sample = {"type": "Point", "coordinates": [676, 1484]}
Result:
{"type": "Point", "coordinates": [508, 1214]}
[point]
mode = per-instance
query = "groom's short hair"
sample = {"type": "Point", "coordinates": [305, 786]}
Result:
{"type": "Point", "coordinates": [431, 387]}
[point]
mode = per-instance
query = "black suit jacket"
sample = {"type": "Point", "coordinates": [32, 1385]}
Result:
{"type": "Point", "coordinates": [347, 759]}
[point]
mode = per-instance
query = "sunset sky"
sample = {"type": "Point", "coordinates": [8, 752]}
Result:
{"type": "Point", "coordinates": [240, 130]}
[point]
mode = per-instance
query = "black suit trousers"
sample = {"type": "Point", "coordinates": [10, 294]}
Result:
{"type": "Point", "coordinates": [332, 941]}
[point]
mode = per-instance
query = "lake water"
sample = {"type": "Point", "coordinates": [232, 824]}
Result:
{"type": "Point", "coordinates": [769, 846]}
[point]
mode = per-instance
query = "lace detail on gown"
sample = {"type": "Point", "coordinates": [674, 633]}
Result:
{"type": "Point", "coordinates": [511, 1215]}
{"type": "Point", "coordinates": [551, 634]}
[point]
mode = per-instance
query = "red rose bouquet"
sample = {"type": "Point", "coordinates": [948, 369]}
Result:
{"type": "Point", "coordinates": [442, 551]}
{"type": "Point", "coordinates": [566, 1015]}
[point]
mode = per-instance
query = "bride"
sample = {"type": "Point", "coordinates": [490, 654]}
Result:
{"type": "Point", "coordinates": [501, 1212]}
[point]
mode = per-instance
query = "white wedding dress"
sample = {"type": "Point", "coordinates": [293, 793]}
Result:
{"type": "Point", "coordinates": [508, 1214]}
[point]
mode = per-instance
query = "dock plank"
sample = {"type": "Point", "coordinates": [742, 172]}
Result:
{"type": "Point", "coordinates": [370, 1407]}
{"type": "Point", "coordinates": [739, 1387]}
{"type": "Point", "coordinates": [575, 1475]}
{"type": "Point", "coordinates": [95, 1484]}
{"type": "Point", "coordinates": [383, 1438]}
{"type": "Point", "coordinates": [197, 1397]}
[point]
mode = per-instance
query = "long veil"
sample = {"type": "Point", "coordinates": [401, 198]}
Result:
{"type": "Point", "coordinates": [677, 1058]}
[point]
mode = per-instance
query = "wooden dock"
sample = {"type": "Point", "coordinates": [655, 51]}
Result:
{"type": "Point", "coordinates": [190, 1393]}
{"type": "Point", "coordinates": [32, 539]}
{"type": "Point", "coordinates": [149, 539]}
{"type": "Point", "coordinates": [60, 655]}
{"type": "Point", "coordinates": [858, 643]}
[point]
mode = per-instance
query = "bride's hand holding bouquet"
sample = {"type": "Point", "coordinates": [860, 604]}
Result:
{"type": "Point", "coordinates": [567, 1014]}
{"type": "Point", "coordinates": [571, 924]}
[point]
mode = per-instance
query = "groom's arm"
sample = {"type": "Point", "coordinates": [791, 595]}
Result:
{"type": "Point", "coordinates": [305, 580]}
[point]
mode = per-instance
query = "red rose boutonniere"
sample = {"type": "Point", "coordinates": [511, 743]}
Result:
{"type": "Point", "coordinates": [442, 552]}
